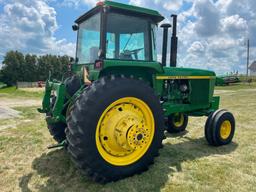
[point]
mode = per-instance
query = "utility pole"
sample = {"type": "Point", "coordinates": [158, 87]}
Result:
{"type": "Point", "coordinates": [248, 58]}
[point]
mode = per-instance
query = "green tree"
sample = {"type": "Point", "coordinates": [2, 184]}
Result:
{"type": "Point", "coordinates": [30, 69]}
{"type": "Point", "coordinates": [17, 67]}
{"type": "Point", "coordinates": [56, 64]}
{"type": "Point", "coordinates": [12, 67]}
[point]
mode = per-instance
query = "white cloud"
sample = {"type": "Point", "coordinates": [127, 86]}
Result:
{"type": "Point", "coordinates": [30, 27]}
{"type": "Point", "coordinates": [91, 2]}
{"type": "Point", "coordinates": [208, 18]}
{"type": "Point", "coordinates": [224, 43]}
{"type": "Point", "coordinates": [76, 3]}
{"type": "Point", "coordinates": [70, 3]}
{"type": "Point", "coordinates": [234, 24]}
{"type": "Point", "coordinates": [221, 27]}
{"type": "Point", "coordinates": [196, 47]}
{"type": "Point", "coordinates": [211, 32]}
{"type": "Point", "coordinates": [173, 5]}
{"type": "Point", "coordinates": [136, 2]}
{"type": "Point", "coordinates": [223, 4]}
{"type": "Point", "coordinates": [160, 5]}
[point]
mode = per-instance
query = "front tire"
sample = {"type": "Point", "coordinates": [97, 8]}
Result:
{"type": "Point", "coordinates": [177, 123]}
{"type": "Point", "coordinates": [220, 128]}
{"type": "Point", "coordinates": [115, 128]}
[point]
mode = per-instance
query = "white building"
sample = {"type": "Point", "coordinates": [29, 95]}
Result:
{"type": "Point", "coordinates": [252, 68]}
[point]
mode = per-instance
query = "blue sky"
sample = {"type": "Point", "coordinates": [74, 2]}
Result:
{"type": "Point", "coordinates": [212, 33]}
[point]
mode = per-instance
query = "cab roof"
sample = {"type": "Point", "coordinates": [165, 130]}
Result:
{"type": "Point", "coordinates": [154, 15]}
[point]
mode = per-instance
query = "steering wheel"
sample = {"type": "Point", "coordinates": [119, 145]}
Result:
{"type": "Point", "coordinates": [132, 52]}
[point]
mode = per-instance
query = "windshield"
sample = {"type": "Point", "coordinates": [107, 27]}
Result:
{"type": "Point", "coordinates": [128, 38]}
{"type": "Point", "coordinates": [88, 41]}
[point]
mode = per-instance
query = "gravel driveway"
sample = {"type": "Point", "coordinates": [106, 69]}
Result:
{"type": "Point", "coordinates": [6, 105]}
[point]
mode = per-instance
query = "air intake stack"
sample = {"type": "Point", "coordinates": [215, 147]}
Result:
{"type": "Point", "coordinates": [174, 42]}
{"type": "Point", "coordinates": [165, 27]}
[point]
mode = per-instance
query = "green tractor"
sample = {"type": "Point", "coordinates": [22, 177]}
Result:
{"type": "Point", "coordinates": [112, 109]}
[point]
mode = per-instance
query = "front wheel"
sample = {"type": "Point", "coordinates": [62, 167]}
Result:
{"type": "Point", "coordinates": [177, 122]}
{"type": "Point", "coordinates": [115, 128]}
{"type": "Point", "coordinates": [220, 128]}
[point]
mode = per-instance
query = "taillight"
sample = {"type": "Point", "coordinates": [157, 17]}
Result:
{"type": "Point", "coordinates": [98, 64]}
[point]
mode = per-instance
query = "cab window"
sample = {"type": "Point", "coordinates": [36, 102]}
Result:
{"type": "Point", "coordinates": [128, 38]}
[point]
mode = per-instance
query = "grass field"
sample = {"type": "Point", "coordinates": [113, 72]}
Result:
{"type": "Point", "coordinates": [186, 163]}
{"type": "Point", "coordinates": [12, 92]}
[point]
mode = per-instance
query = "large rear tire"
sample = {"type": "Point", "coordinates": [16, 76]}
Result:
{"type": "Point", "coordinates": [115, 128]}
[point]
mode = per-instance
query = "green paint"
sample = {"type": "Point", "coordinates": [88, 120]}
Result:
{"type": "Point", "coordinates": [186, 71]}
{"type": "Point", "coordinates": [56, 111]}
{"type": "Point", "coordinates": [182, 90]}
{"type": "Point", "coordinates": [155, 66]}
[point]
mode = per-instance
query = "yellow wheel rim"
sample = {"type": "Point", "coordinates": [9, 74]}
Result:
{"type": "Point", "coordinates": [225, 129]}
{"type": "Point", "coordinates": [125, 131]}
{"type": "Point", "coordinates": [178, 119]}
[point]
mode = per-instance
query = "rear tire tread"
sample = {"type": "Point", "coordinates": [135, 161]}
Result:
{"type": "Point", "coordinates": [94, 166]}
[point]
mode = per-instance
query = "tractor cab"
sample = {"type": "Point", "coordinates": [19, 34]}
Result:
{"type": "Point", "coordinates": [111, 31]}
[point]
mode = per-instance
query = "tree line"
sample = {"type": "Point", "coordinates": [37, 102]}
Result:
{"type": "Point", "coordinates": [31, 68]}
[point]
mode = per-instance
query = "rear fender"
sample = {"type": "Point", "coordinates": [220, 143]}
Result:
{"type": "Point", "coordinates": [146, 74]}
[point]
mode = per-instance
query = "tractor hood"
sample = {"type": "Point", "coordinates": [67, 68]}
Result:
{"type": "Point", "coordinates": [185, 73]}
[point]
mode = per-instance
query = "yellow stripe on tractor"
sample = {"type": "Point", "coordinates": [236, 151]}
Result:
{"type": "Point", "coordinates": [184, 77]}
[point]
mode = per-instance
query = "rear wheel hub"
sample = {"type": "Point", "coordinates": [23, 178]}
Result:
{"type": "Point", "coordinates": [125, 131]}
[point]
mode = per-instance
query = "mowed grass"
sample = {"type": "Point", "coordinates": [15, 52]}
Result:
{"type": "Point", "coordinates": [186, 163]}
{"type": "Point", "coordinates": [238, 86]}
{"type": "Point", "coordinates": [13, 92]}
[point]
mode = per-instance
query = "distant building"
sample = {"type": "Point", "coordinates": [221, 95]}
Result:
{"type": "Point", "coordinates": [252, 68]}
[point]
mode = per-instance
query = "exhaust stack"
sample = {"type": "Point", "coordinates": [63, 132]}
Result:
{"type": "Point", "coordinates": [165, 27]}
{"type": "Point", "coordinates": [174, 42]}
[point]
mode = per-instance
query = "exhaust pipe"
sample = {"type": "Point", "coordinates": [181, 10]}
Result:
{"type": "Point", "coordinates": [174, 42]}
{"type": "Point", "coordinates": [165, 27]}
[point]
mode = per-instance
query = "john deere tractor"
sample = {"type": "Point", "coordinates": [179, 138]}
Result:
{"type": "Point", "coordinates": [117, 100]}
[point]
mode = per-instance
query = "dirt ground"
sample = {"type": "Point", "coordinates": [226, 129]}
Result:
{"type": "Point", "coordinates": [34, 89]}
{"type": "Point", "coordinates": [6, 106]}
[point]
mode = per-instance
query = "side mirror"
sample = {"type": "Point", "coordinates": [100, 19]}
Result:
{"type": "Point", "coordinates": [75, 27]}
